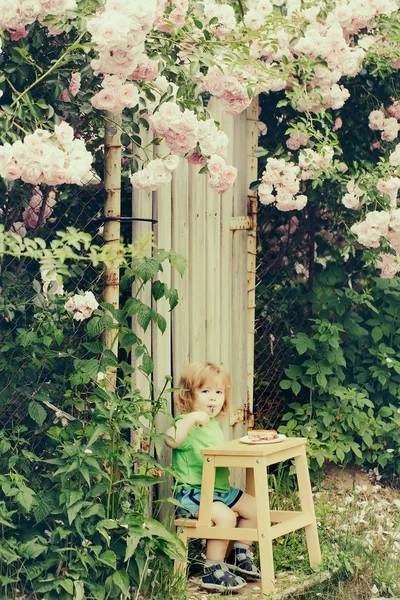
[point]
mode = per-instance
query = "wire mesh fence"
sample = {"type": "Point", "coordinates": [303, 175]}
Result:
{"type": "Point", "coordinates": [38, 343]}
{"type": "Point", "coordinates": [300, 265]}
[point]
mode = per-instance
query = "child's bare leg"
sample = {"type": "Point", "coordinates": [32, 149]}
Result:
{"type": "Point", "coordinates": [246, 507]}
{"type": "Point", "coordinates": [240, 559]}
{"type": "Point", "coordinates": [222, 516]}
{"type": "Point", "coordinates": [217, 576]}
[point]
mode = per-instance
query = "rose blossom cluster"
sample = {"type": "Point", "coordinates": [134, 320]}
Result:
{"type": "Point", "coordinates": [352, 198]}
{"type": "Point", "coordinates": [15, 15]}
{"type": "Point", "coordinates": [256, 15]}
{"type": "Point", "coordinates": [82, 305]}
{"type": "Point", "coordinates": [296, 139]}
{"type": "Point", "coordinates": [394, 158]}
{"type": "Point", "coordinates": [378, 224]}
{"type": "Point", "coordinates": [146, 69]}
{"type": "Point", "coordinates": [390, 187]}
{"type": "Point", "coordinates": [119, 31]}
{"type": "Point", "coordinates": [156, 173]}
{"type": "Point", "coordinates": [369, 232]}
{"type": "Point", "coordinates": [326, 38]}
{"type": "Point", "coordinates": [201, 141]}
{"type": "Point", "coordinates": [178, 129]}
{"type": "Point", "coordinates": [313, 163]}
{"type": "Point", "coordinates": [281, 184]}
{"type": "Point", "coordinates": [43, 157]}
{"type": "Point", "coordinates": [177, 17]}
{"type": "Point", "coordinates": [73, 87]}
{"type": "Point", "coordinates": [222, 176]}
{"type": "Point", "coordinates": [227, 87]}
{"type": "Point", "coordinates": [115, 95]}
{"type": "Point", "coordinates": [388, 125]}
{"type": "Point", "coordinates": [39, 209]}
{"type": "Point", "coordinates": [225, 15]}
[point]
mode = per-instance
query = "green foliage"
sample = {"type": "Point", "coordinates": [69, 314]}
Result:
{"type": "Point", "coordinates": [74, 513]}
{"type": "Point", "coordinates": [346, 376]}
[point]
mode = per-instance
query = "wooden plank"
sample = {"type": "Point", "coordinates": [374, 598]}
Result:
{"type": "Point", "coordinates": [198, 289]}
{"type": "Point", "coordinates": [212, 280]}
{"type": "Point", "coordinates": [239, 284]}
{"type": "Point", "coordinates": [226, 236]}
{"type": "Point", "coordinates": [181, 198]}
{"type": "Point", "coordinates": [161, 342]}
{"type": "Point", "coordinates": [297, 522]}
{"type": "Point", "coordinates": [252, 174]}
{"type": "Point", "coordinates": [142, 208]}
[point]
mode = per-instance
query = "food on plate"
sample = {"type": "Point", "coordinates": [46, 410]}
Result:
{"type": "Point", "coordinates": [262, 435]}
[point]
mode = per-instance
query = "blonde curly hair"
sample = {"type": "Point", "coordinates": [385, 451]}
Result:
{"type": "Point", "coordinates": [193, 377]}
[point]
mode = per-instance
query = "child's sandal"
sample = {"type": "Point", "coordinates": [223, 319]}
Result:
{"type": "Point", "coordinates": [239, 560]}
{"type": "Point", "coordinates": [218, 578]}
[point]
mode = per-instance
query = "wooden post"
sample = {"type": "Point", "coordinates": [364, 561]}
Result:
{"type": "Point", "coordinates": [112, 227]}
{"type": "Point", "coordinates": [252, 174]}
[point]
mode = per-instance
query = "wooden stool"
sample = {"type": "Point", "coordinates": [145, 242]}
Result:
{"type": "Point", "coordinates": [255, 459]}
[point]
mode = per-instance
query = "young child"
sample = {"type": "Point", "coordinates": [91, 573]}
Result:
{"type": "Point", "coordinates": [203, 396]}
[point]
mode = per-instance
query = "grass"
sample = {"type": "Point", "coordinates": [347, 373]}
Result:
{"type": "Point", "coordinates": [359, 528]}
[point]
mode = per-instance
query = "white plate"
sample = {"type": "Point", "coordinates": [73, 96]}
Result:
{"type": "Point", "coordinates": [280, 438]}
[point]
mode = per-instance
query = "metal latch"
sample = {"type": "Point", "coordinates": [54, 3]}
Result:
{"type": "Point", "coordinates": [242, 415]}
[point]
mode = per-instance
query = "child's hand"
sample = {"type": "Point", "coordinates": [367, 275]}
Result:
{"type": "Point", "coordinates": [201, 418]}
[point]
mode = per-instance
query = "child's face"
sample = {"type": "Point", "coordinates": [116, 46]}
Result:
{"type": "Point", "coordinates": [210, 397]}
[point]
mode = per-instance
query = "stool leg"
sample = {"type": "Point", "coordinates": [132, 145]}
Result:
{"type": "Point", "coordinates": [207, 492]}
{"type": "Point", "coordinates": [180, 565]}
{"type": "Point", "coordinates": [307, 505]}
{"type": "Point", "coordinates": [250, 482]}
{"type": "Point", "coordinates": [264, 528]}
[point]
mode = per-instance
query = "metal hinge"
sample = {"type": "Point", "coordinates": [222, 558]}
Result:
{"type": "Point", "coordinates": [240, 223]}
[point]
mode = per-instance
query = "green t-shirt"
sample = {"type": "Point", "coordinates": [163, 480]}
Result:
{"type": "Point", "coordinates": [187, 459]}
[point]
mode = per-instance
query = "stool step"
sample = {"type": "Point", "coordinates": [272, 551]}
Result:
{"type": "Point", "coordinates": [183, 521]}
{"type": "Point", "coordinates": [186, 522]}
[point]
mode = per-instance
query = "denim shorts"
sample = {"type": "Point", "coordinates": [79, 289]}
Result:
{"type": "Point", "coordinates": [191, 499]}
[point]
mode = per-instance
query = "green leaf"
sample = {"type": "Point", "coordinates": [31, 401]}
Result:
{"type": "Point", "coordinates": [43, 506]}
{"type": "Point", "coordinates": [37, 412]}
{"type": "Point", "coordinates": [131, 544]}
{"type": "Point", "coordinates": [95, 326]}
{"type": "Point", "coordinates": [385, 411]}
{"type": "Point", "coordinates": [158, 289]}
{"type": "Point", "coordinates": [94, 509]}
{"type": "Point", "coordinates": [296, 387]}
{"type": "Point", "coordinates": [321, 380]}
{"type": "Point", "coordinates": [173, 298]}
{"type": "Point", "coordinates": [7, 555]}
{"type": "Point", "coordinates": [285, 384]}
{"type": "Point", "coordinates": [109, 558]}
{"type": "Point", "coordinates": [178, 262]}
{"type": "Point", "coordinates": [147, 364]}
{"type": "Point", "coordinates": [146, 268]}
{"type": "Point", "coordinates": [98, 591]}
{"type": "Point", "coordinates": [293, 371]}
{"type": "Point", "coordinates": [25, 498]}
{"type": "Point", "coordinates": [79, 590]}
{"type": "Point", "coordinates": [73, 510]}
{"type": "Point", "coordinates": [121, 579]}
{"type": "Point", "coordinates": [68, 585]}
{"type": "Point", "coordinates": [377, 334]}
{"type": "Point", "coordinates": [162, 323]}
{"type": "Point", "coordinates": [144, 316]}
{"type": "Point", "coordinates": [340, 454]}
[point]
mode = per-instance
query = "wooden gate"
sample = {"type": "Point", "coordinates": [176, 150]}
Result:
{"type": "Point", "coordinates": [214, 319]}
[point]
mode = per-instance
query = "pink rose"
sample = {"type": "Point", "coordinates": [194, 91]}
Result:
{"type": "Point", "coordinates": [17, 35]}
{"type": "Point", "coordinates": [106, 99]}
